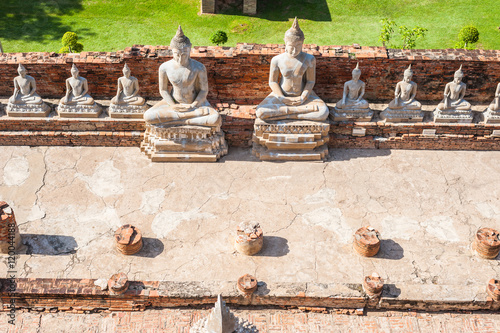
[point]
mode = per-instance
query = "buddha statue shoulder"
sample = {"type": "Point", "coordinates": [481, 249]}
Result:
{"type": "Point", "coordinates": [405, 93]}
{"type": "Point", "coordinates": [76, 90]}
{"type": "Point", "coordinates": [354, 90]}
{"type": "Point", "coordinates": [187, 103]}
{"type": "Point", "coordinates": [291, 79]}
{"type": "Point", "coordinates": [454, 94]}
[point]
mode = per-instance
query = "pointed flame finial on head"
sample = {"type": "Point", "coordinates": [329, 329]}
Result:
{"type": "Point", "coordinates": [294, 34]}
{"type": "Point", "coordinates": [180, 40]}
{"type": "Point", "coordinates": [408, 71]}
{"type": "Point", "coordinates": [21, 68]}
{"type": "Point", "coordinates": [459, 73]}
{"type": "Point", "coordinates": [356, 70]}
{"type": "Point", "coordinates": [73, 68]}
{"type": "Point", "coordinates": [126, 68]}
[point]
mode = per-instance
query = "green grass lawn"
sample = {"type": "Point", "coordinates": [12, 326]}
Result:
{"type": "Point", "coordinates": [110, 25]}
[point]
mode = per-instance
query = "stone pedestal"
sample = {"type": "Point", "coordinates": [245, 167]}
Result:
{"type": "Point", "coordinates": [491, 117]}
{"type": "Point", "coordinates": [79, 111]}
{"type": "Point", "coordinates": [10, 239]}
{"type": "Point", "coordinates": [291, 140]}
{"type": "Point", "coordinates": [128, 239]}
{"type": "Point", "coordinates": [487, 243]}
{"type": "Point", "coordinates": [27, 110]}
{"type": "Point", "coordinates": [184, 143]}
{"type": "Point", "coordinates": [250, 7]}
{"type": "Point", "coordinates": [249, 238]}
{"type": "Point", "coordinates": [367, 241]}
{"type": "Point", "coordinates": [402, 115]}
{"type": "Point", "coordinates": [129, 111]}
{"type": "Point", "coordinates": [453, 116]}
{"type": "Point", "coordinates": [351, 114]}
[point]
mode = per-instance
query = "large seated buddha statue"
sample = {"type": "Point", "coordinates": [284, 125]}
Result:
{"type": "Point", "coordinates": [404, 107]}
{"type": "Point", "coordinates": [25, 102]}
{"type": "Point", "coordinates": [454, 108]}
{"type": "Point", "coordinates": [352, 106]}
{"type": "Point", "coordinates": [127, 103]}
{"type": "Point", "coordinates": [77, 102]}
{"type": "Point", "coordinates": [493, 112]}
{"type": "Point", "coordinates": [292, 121]}
{"type": "Point", "coordinates": [183, 126]}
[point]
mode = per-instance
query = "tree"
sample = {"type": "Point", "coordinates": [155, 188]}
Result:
{"type": "Point", "coordinates": [70, 43]}
{"type": "Point", "coordinates": [219, 37]}
{"type": "Point", "coordinates": [467, 36]}
{"type": "Point", "coordinates": [408, 36]}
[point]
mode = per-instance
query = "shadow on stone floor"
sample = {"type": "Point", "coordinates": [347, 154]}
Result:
{"type": "Point", "coordinates": [274, 246]}
{"type": "Point", "coordinates": [389, 249]}
{"type": "Point", "coordinates": [390, 290]}
{"type": "Point", "coordinates": [349, 154]}
{"type": "Point", "coordinates": [48, 244]}
{"type": "Point", "coordinates": [151, 248]}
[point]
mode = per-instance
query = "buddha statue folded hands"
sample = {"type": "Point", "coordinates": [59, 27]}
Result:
{"type": "Point", "coordinates": [77, 102]}
{"type": "Point", "coordinates": [183, 126]}
{"type": "Point", "coordinates": [25, 102]}
{"type": "Point", "coordinates": [292, 121]}
{"type": "Point", "coordinates": [454, 108]}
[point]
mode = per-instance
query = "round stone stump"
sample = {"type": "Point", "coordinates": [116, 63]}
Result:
{"type": "Point", "coordinates": [487, 243]}
{"type": "Point", "coordinates": [128, 239]}
{"type": "Point", "coordinates": [493, 289]}
{"type": "Point", "coordinates": [118, 283]}
{"type": "Point", "coordinates": [247, 284]}
{"type": "Point", "coordinates": [249, 238]}
{"type": "Point", "coordinates": [367, 241]}
{"type": "Point", "coordinates": [373, 284]}
{"type": "Point", "coordinates": [10, 239]}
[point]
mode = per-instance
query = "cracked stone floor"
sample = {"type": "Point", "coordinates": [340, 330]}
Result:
{"type": "Point", "coordinates": [427, 205]}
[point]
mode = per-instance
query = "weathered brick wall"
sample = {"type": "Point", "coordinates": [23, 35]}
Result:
{"type": "Point", "coordinates": [240, 74]}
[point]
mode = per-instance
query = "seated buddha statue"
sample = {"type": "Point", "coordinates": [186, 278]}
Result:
{"type": "Point", "coordinates": [405, 93]}
{"type": "Point", "coordinates": [292, 79]}
{"type": "Point", "coordinates": [76, 90]}
{"type": "Point", "coordinates": [495, 105]}
{"type": "Point", "coordinates": [128, 89]}
{"type": "Point", "coordinates": [352, 98]}
{"type": "Point", "coordinates": [24, 89]}
{"type": "Point", "coordinates": [454, 93]}
{"type": "Point", "coordinates": [187, 103]}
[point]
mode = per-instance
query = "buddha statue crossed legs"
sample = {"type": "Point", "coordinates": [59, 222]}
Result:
{"type": "Point", "coordinates": [183, 126]}
{"type": "Point", "coordinates": [25, 101]}
{"type": "Point", "coordinates": [291, 121]}
{"type": "Point", "coordinates": [454, 108]}
{"type": "Point", "coordinates": [127, 103]}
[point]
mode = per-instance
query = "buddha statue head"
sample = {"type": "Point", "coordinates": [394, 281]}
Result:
{"type": "Point", "coordinates": [21, 70]}
{"type": "Point", "coordinates": [459, 75]}
{"type": "Point", "coordinates": [408, 74]}
{"type": "Point", "coordinates": [294, 38]}
{"type": "Point", "coordinates": [74, 71]}
{"type": "Point", "coordinates": [356, 73]}
{"type": "Point", "coordinates": [181, 47]}
{"type": "Point", "coordinates": [126, 71]}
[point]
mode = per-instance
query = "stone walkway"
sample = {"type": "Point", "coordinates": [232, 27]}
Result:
{"type": "Point", "coordinates": [266, 321]}
{"type": "Point", "coordinates": [426, 204]}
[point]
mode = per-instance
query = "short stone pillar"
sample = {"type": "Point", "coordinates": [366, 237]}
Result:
{"type": "Point", "coordinates": [118, 284]}
{"type": "Point", "coordinates": [10, 239]}
{"type": "Point", "coordinates": [249, 238]}
{"type": "Point", "coordinates": [128, 239]}
{"type": "Point", "coordinates": [208, 6]}
{"type": "Point", "coordinates": [367, 241]}
{"type": "Point", "coordinates": [372, 285]}
{"type": "Point", "coordinates": [247, 285]}
{"type": "Point", "coordinates": [250, 7]}
{"type": "Point", "coordinates": [493, 290]}
{"type": "Point", "coordinates": [487, 243]}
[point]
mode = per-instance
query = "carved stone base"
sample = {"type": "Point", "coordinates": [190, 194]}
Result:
{"type": "Point", "coordinates": [27, 110]}
{"type": "Point", "coordinates": [402, 115]}
{"type": "Point", "coordinates": [351, 115]}
{"type": "Point", "coordinates": [127, 111]}
{"type": "Point", "coordinates": [453, 116]}
{"type": "Point", "coordinates": [291, 140]}
{"type": "Point", "coordinates": [184, 143]}
{"type": "Point", "coordinates": [79, 111]}
{"type": "Point", "coordinates": [491, 116]}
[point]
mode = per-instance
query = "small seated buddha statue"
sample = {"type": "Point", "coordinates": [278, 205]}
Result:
{"type": "Point", "coordinates": [292, 79]}
{"type": "Point", "coordinates": [404, 107]}
{"type": "Point", "coordinates": [492, 114]}
{"type": "Point", "coordinates": [352, 106]}
{"type": "Point", "coordinates": [183, 126]}
{"type": "Point", "coordinates": [454, 108]}
{"type": "Point", "coordinates": [187, 103]}
{"type": "Point", "coordinates": [292, 120]}
{"type": "Point", "coordinates": [127, 102]}
{"type": "Point", "coordinates": [77, 102]}
{"type": "Point", "coordinates": [25, 101]}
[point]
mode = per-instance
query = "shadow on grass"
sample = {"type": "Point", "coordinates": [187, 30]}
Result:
{"type": "Point", "coordinates": [36, 20]}
{"type": "Point", "coordinates": [284, 10]}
